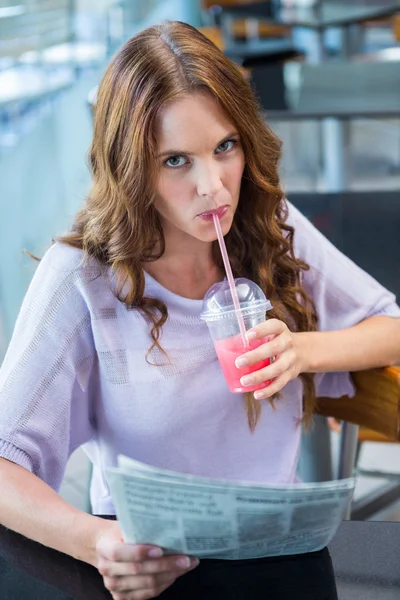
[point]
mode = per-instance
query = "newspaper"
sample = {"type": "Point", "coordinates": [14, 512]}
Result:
{"type": "Point", "coordinates": [215, 518]}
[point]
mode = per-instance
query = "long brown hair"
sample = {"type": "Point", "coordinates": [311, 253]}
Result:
{"type": "Point", "coordinates": [118, 224]}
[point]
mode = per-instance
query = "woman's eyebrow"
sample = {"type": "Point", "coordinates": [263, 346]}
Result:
{"type": "Point", "coordinates": [173, 152]}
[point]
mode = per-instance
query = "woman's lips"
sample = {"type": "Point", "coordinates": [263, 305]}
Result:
{"type": "Point", "coordinates": [209, 215]}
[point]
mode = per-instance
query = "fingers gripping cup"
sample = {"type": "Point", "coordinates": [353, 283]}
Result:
{"type": "Point", "coordinates": [223, 320]}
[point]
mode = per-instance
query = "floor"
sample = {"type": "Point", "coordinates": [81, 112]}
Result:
{"type": "Point", "coordinates": [53, 150]}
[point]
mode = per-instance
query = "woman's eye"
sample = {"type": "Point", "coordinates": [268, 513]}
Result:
{"type": "Point", "coordinates": [175, 161]}
{"type": "Point", "coordinates": [226, 146]}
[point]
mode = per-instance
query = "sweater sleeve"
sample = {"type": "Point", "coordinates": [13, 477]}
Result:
{"type": "Point", "coordinates": [46, 374]}
{"type": "Point", "coordinates": [344, 294]}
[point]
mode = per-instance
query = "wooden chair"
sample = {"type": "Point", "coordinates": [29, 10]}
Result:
{"type": "Point", "coordinates": [390, 22]}
{"type": "Point", "coordinates": [207, 4]}
{"type": "Point", "coordinates": [396, 27]}
{"type": "Point", "coordinates": [372, 415]}
{"type": "Point", "coordinates": [375, 406]}
{"type": "Point", "coordinates": [382, 54]}
{"type": "Point", "coordinates": [244, 60]}
{"type": "Point", "coordinates": [247, 27]}
{"type": "Point", "coordinates": [214, 34]}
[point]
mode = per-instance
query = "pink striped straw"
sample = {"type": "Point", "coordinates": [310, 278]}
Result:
{"type": "Point", "coordinates": [231, 281]}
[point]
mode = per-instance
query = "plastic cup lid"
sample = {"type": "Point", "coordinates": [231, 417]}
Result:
{"type": "Point", "coordinates": [218, 302]}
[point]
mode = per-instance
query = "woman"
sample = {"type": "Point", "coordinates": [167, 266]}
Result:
{"type": "Point", "coordinates": [109, 351]}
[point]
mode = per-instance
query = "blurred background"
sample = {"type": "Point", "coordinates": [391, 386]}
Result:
{"type": "Point", "coordinates": [327, 76]}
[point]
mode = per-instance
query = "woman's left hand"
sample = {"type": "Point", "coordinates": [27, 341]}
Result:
{"type": "Point", "coordinates": [282, 347]}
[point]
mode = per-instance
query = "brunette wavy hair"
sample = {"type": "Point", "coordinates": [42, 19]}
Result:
{"type": "Point", "coordinates": [118, 224]}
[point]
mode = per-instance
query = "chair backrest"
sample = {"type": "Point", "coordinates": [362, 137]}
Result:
{"type": "Point", "coordinates": [214, 34]}
{"type": "Point", "coordinates": [376, 404]}
{"type": "Point", "coordinates": [396, 27]}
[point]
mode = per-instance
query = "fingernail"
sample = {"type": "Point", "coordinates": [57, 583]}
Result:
{"type": "Point", "coordinates": [194, 562]}
{"type": "Point", "coordinates": [183, 562]}
{"type": "Point", "coordinates": [246, 380]}
{"type": "Point", "coordinates": [155, 553]}
{"type": "Point", "coordinates": [251, 335]}
{"type": "Point", "coordinates": [241, 362]}
{"type": "Point", "coordinates": [258, 395]}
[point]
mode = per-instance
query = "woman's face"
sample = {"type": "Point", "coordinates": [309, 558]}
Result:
{"type": "Point", "coordinates": [200, 162]}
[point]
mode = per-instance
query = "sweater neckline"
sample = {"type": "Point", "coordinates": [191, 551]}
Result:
{"type": "Point", "coordinates": [163, 293]}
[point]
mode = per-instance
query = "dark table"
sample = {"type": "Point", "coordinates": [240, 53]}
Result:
{"type": "Point", "coordinates": [365, 557]}
{"type": "Point", "coordinates": [334, 93]}
{"type": "Point", "coordinates": [344, 90]}
{"type": "Point", "coordinates": [328, 13]}
{"type": "Point", "coordinates": [323, 15]}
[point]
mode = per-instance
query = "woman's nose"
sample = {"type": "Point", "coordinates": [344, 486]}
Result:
{"type": "Point", "coordinates": [209, 180]}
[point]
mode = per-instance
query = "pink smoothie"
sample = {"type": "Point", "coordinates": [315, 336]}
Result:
{"type": "Point", "coordinates": [228, 350]}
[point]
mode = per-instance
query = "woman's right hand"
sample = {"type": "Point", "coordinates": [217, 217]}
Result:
{"type": "Point", "coordinates": [136, 571]}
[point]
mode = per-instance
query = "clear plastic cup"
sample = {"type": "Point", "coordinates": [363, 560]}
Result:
{"type": "Point", "coordinates": [221, 317]}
